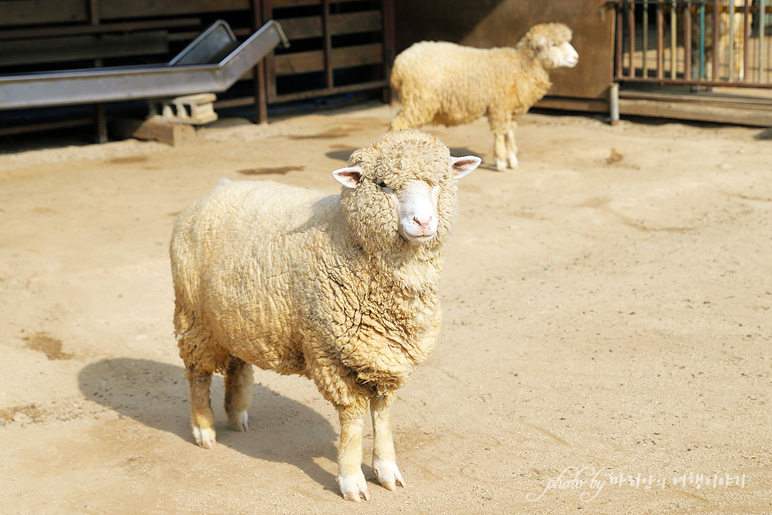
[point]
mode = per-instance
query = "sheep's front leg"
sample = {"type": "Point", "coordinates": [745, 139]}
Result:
{"type": "Point", "coordinates": [384, 457]}
{"type": "Point", "coordinates": [350, 477]}
{"type": "Point", "coordinates": [511, 146]}
{"type": "Point", "coordinates": [202, 417]}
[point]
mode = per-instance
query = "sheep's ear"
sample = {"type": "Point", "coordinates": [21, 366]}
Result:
{"type": "Point", "coordinates": [463, 166]}
{"type": "Point", "coordinates": [539, 43]}
{"type": "Point", "coordinates": [349, 177]}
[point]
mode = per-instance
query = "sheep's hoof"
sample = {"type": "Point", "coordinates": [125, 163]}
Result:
{"type": "Point", "coordinates": [513, 163]}
{"type": "Point", "coordinates": [388, 474]}
{"type": "Point", "coordinates": [354, 488]}
{"type": "Point", "coordinates": [205, 437]}
{"type": "Point", "coordinates": [239, 421]}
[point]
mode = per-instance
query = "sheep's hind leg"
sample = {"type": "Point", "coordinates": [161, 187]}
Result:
{"type": "Point", "coordinates": [238, 393]}
{"type": "Point", "coordinates": [202, 417]}
{"type": "Point", "coordinates": [500, 151]}
{"type": "Point", "coordinates": [384, 457]}
{"type": "Point", "coordinates": [350, 477]}
{"type": "Point", "coordinates": [511, 146]}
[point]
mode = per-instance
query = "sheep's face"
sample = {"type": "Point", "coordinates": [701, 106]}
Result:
{"type": "Point", "coordinates": [402, 189]}
{"type": "Point", "coordinates": [550, 42]}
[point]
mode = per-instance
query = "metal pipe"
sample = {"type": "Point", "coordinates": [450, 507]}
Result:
{"type": "Point", "coordinates": [716, 39]}
{"type": "Point", "coordinates": [688, 40]}
{"type": "Point", "coordinates": [645, 34]}
{"type": "Point", "coordinates": [619, 45]}
{"type": "Point", "coordinates": [762, 41]}
{"type": "Point", "coordinates": [673, 43]}
{"type": "Point", "coordinates": [138, 82]}
{"type": "Point", "coordinates": [731, 40]}
{"type": "Point", "coordinates": [746, 37]}
{"type": "Point", "coordinates": [692, 82]}
{"type": "Point", "coordinates": [660, 42]}
{"type": "Point", "coordinates": [614, 103]}
{"type": "Point", "coordinates": [631, 29]}
{"type": "Point", "coordinates": [702, 40]}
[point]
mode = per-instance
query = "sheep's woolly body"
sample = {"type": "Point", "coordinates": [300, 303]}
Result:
{"type": "Point", "coordinates": [341, 289]}
{"type": "Point", "coordinates": [457, 85]}
{"type": "Point", "coordinates": [258, 249]}
{"type": "Point", "coordinates": [443, 83]}
{"type": "Point", "coordinates": [300, 283]}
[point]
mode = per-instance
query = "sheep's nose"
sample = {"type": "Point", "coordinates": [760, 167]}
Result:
{"type": "Point", "coordinates": [422, 223]}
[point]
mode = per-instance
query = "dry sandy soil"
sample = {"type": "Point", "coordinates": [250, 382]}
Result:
{"type": "Point", "coordinates": [606, 346]}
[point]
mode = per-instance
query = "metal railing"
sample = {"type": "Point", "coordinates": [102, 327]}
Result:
{"type": "Point", "coordinates": [693, 42]}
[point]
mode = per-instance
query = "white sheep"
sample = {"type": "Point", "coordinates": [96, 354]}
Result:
{"type": "Point", "coordinates": [444, 83]}
{"type": "Point", "coordinates": [340, 289]}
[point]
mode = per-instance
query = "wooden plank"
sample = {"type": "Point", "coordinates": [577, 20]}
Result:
{"type": "Point", "coordinates": [54, 50]}
{"type": "Point", "coordinates": [299, 62]}
{"type": "Point", "coordinates": [703, 98]}
{"type": "Point", "coordinates": [359, 55]}
{"type": "Point", "coordinates": [362, 86]}
{"type": "Point", "coordinates": [340, 24]}
{"type": "Point", "coordinates": [120, 9]}
{"type": "Point", "coordinates": [682, 111]}
{"type": "Point", "coordinates": [38, 12]}
{"type": "Point", "coordinates": [45, 126]}
{"type": "Point", "coordinates": [301, 3]}
{"type": "Point", "coordinates": [303, 27]}
{"type": "Point", "coordinates": [589, 105]}
{"type": "Point", "coordinates": [313, 61]}
{"type": "Point", "coordinates": [352, 23]}
{"type": "Point", "coordinates": [78, 30]}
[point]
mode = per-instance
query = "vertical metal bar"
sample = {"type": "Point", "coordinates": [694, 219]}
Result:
{"type": "Point", "coordinates": [673, 43]}
{"type": "Point", "coordinates": [327, 43]}
{"type": "Point", "coordinates": [688, 40]}
{"type": "Point", "coordinates": [746, 37]}
{"type": "Point", "coordinates": [702, 40]}
{"type": "Point", "coordinates": [631, 30]}
{"type": "Point", "coordinates": [258, 72]}
{"type": "Point", "coordinates": [100, 113]}
{"type": "Point", "coordinates": [762, 41]}
{"type": "Point", "coordinates": [270, 68]}
{"type": "Point", "coordinates": [660, 41]}
{"type": "Point", "coordinates": [619, 45]}
{"type": "Point", "coordinates": [645, 35]}
{"type": "Point", "coordinates": [731, 40]}
{"type": "Point", "coordinates": [387, 20]}
{"type": "Point", "coordinates": [716, 38]}
{"type": "Point", "coordinates": [614, 103]}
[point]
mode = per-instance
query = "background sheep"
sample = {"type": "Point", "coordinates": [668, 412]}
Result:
{"type": "Point", "coordinates": [340, 289]}
{"type": "Point", "coordinates": [445, 83]}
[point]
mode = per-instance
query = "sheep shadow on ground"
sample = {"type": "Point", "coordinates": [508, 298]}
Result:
{"type": "Point", "coordinates": [156, 394]}
{"type": "Point", "coordinates": [340, 155]}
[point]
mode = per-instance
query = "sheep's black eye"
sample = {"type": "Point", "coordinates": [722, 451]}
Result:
{"type": "Point", "coordinates": [383, 187]}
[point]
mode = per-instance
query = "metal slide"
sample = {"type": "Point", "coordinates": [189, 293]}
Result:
{"type": "Point", "coordinates": [212, 63]}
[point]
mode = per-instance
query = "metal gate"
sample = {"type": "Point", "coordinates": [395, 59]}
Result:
{"type": "Point", "coordinates": [694, 42]}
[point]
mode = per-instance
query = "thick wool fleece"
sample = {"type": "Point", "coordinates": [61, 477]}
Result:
{"type": "Point", "coordinates": [323, 286]}
{"type": "Point", "coordinates": [443, 83]}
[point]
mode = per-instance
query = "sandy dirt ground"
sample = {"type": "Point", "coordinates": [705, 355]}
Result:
{"type": "Point", "coordinates": [607, 344]}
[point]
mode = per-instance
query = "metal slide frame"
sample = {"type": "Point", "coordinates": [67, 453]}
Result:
{"type": "Point", "coordinates": [181, 76]}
